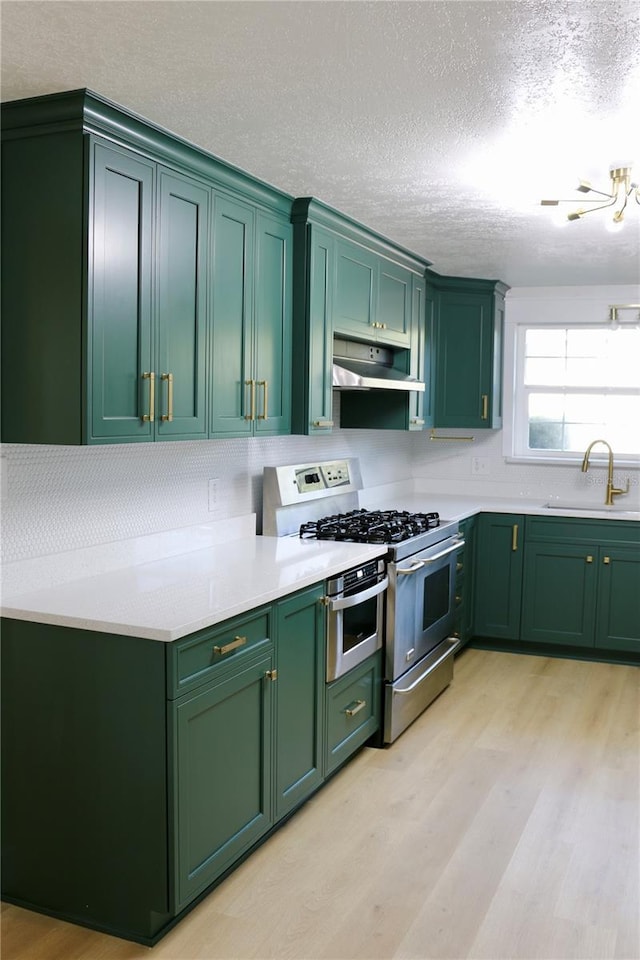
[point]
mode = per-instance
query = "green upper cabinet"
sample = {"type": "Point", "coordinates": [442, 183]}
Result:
{"type": "Point", "coordinates": [395, 291]}
{"type": "Point", "coordinates": [352, 283]}
{"type": "Point", "coordinates": [273, 326]}
{"type": "Point", "coordinates": [469, 321]}
{"type": "Point", "coordinates": [313, 292]}
{"type": "Point", "coordinates": [355, 290]}
{"type": "Point", "coordinates": [108, 305]}
{"type": "Point", "coordinates": [147, 310]}
{"type": "Point", "coordinates": [181, 306]}
{"type": "Point", "coordinates": [233, 394]}
{"type": "Point", "coordinates": [121, 387]}
{"type": "Point", "coordinates": [251, 330]}
{"type": "Point", "coordinates": [372, 296]}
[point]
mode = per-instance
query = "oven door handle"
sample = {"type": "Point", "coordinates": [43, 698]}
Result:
{"type": "Point", "coordinates": [430, 669]}
{"type": "Point", "coordinates": [408, 570]}
{"type": "Point", "coordinates": [443, 553]}
{"type": "Point", "coordinates": [344, 603]}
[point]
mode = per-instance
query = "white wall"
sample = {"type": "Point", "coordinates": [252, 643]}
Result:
{"type": "Point", "coordinates": [63, 498]}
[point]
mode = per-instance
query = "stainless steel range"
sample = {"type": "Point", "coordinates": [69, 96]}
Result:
{"type": "Point", "coordinates": [321, 501]}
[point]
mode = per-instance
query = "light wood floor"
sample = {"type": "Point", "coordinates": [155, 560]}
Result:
{"type": "Point", "coordinates": [503, 824]}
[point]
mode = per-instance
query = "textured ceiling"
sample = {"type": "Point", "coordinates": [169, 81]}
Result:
{"type": "Point", "coordinates": [441, 124]}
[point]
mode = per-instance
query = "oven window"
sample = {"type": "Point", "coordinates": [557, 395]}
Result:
{"type": "Point", "coordinates": [435, 604]}
{"type": "Point", "coordinates": [359, 623]}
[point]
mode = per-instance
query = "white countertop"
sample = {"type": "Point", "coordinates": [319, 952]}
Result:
{"type": "Point", "coordinates": [185, 586]}
{"type": "Point", "coordinates": [168, 598]}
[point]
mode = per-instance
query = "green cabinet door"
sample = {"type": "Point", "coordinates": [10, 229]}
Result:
{"type": "Point", "coordinates": [355, 290]}
{"type": "Point", "coordinates": [395, 294]}
{"type": "Point", "coordinates": [222, 738]}
{"type": "Point", "coordinates": [233, 401]}
{"type": "Point", "coordinates": [272, 336]}
{"type": "Point", "coordinates": [463, 362]}
{"type": "Point", "coordinates": [559, 593]}
{"type": "Point", "coordinates": [120, 385]}
{"type": "Point", "coordinates": [182, 232]}
{"type": "Point", "coordinates": [498, 575]}
{"type": "Point", "coordinates": [618, 618]}
{"type": "Point", "coordinates": [468, 353]}
{"type": "Point", "coordinates": [299, 692]}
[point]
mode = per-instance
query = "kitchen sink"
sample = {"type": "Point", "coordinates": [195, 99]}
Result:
{"type": "Point", "coordinates": [596, 507]}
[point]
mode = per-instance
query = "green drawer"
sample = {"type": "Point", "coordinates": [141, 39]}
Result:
{"type": "Point", "coordinates": [352, 711]}
{"type": "Point", "coordinates": [197, 658]}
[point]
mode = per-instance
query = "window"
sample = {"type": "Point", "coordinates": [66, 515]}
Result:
{"type": "Point", "coordinates": [574, 385]}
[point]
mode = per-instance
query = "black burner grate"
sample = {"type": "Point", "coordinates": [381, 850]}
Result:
{"type": "Point", "coordinates": [370, 526]}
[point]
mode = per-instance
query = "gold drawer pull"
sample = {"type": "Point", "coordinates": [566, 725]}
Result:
{"type": "Point", "coordinates": [168, 416]}
{"type": "Point", "coordinates": [514, 537]}
{"type": "Point", "coordinates": [271, 674]}
{"type": "Point", "coordinates": [589, 559]}
{"type": "Point", "coordinates": [356, 708]}
{"type": "Point", "coordinates": [235, 643]}
{"type": "Point", "coordinates": [607, 560]}
{"type": "Point", "coordinates": [265, 414]}
{"type": "Point", "coordinates": [252, 414]}
{"type": "Point", "coordinates": [323, 423]}
{"type": "Point", "coordinates": [151, 377]}
{"type": "Point", "coordinates": [485, 406]}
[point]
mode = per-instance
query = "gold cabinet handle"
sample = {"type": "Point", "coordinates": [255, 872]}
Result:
{"type": "Point", "coordinates": [252, 413]}
{"type": "Point", "coordinates": [271, 674]}
{"type": "Point", "coordinates": [458, 599]}
{"type": "Point", "coordinates": [149, 417]}
{"type": "Point", "coordinates": [514, 537]}
{"type": "Point", "coordinates": [606, 560]}
{"type": "Point", "coordinates": [589, 559]}
{"type": "Point", "coordinates": [265, 414]}
{"type": "Point", "coordinates": [459, 566]}
{"type": "Point", "coordinates": [323, 423]}
{"type": "Point", "coordinates": [485, 406]}
{"type": "Point", "coordinates": [235, 643]}
{"type": "Point", "coordinates": [168, 416]}
{"type": "Point", "coordinates": [356, 707]}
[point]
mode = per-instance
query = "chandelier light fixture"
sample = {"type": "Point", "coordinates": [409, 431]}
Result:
{"type": "Point", "coordinates": [621, 188]}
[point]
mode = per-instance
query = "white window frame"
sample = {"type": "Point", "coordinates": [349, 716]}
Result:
{"type": "Point", "coordinates": [555, 308]}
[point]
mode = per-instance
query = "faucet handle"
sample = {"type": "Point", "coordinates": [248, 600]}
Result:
{"type": "Point", "coordinates": [620, 493]}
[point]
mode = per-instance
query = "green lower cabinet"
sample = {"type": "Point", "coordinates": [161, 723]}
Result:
{"type": "Point", "coordinates": [353, 704]}
{"type": "Point", "coordinates": [299, 689]}
{"type": "Point", "coordinates": [618, 610]}
{"type": "Point", "coordinates": [559, 597]}
{"type": "Point", "coordinates": [222, 738]}
{"type": "Point", "coordinates": [463, 621]}
{"type": "Point", "coordinates": [498, 575]}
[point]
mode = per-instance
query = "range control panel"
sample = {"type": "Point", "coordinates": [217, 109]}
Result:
{"type": "Point", "coordinates": [323, 476]}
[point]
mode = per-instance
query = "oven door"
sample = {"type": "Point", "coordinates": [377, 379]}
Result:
{"type": "Point", "coordinates": [421, 602]}
{"type": "Point", "coordinates": [354, 625]}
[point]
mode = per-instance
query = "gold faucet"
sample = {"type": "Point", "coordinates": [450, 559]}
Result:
{"type": "Point", "coordinates": [611, 490]}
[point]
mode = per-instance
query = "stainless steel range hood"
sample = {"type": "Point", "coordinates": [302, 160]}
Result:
{"type": "Point", "coordinates": [361, 366]}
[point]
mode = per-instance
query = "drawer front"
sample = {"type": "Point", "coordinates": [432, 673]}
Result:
{"type": "Point", "coordinates": [353, 711]}
{"type": "Point", "coordinates": [198, 658]}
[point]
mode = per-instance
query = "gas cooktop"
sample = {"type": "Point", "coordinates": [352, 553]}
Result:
{"type": "Point", "coordinates": [370, 526]}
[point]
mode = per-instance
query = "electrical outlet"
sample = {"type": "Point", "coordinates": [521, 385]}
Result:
{"type": "Point", "coordinates": [480, 466]}
{"type": "Point", "coordinates": [213, 493]}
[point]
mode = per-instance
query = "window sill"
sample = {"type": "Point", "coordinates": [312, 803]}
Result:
{"type": "Point", "coordinates": [573, 462]}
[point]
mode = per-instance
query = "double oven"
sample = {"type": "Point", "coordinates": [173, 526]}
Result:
{"type": "Point", "coordinates": [403, 602]}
